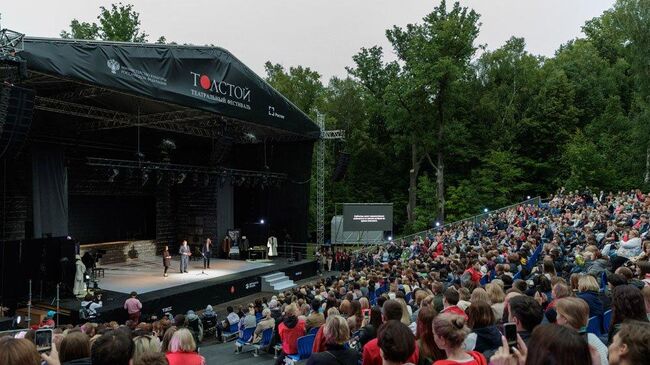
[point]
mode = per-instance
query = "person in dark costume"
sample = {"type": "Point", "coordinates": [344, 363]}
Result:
{"type": "Point", "coordinates": [207, 252]}
{"type": "Point", "coordinates": [167, 259]}
{"type": "Point", "coordinates": [225, 246]}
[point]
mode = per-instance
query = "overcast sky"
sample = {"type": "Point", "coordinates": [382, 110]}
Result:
{"type": "Point", "coordinates": [320, 34]}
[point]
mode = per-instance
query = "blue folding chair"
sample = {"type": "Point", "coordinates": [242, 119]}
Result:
{"type": "Point", "coordinates": [258, 316]}
{"type": "Point", "coordinates": [517, 275]}
{"type": "Point", "coordinates": [245, 338]}
{"type": "Point", "coordinates": [408, 297]}
{"type": "Point", "coordinates": [595, 325]}
{"type": "Point", "coordinates": [607, 320]}
{"type": "Point", "coordinates": [267, 335]}
{"type": "Point", "coordinates": [313, 330]}
{"type": "Point", "coordinates": [603, 282]}
{"type": "Point", "coordinates": [305, 344]}
{"type": "Point", "coordinates": [231, 334]}
{"type": "Point", "coordinates": [484, 280]}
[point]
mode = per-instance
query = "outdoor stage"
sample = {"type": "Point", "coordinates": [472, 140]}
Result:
{"type": "Point", "coordinates": [224, 281]}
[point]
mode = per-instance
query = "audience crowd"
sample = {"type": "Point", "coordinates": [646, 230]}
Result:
{"type": "Point", "coordinates": [571, 275]}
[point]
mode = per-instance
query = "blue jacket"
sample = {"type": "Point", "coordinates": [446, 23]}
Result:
{"type": "Point", "coordinates": [594, 302]}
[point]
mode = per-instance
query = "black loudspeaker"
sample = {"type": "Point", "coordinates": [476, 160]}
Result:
{"type": "Point", "coordinates": [16, 112]}
{"type": "Point", "coordinates": [341, 166]}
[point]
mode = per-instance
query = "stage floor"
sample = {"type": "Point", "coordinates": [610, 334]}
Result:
{"type": "Point", "coordinates": [146, 275]}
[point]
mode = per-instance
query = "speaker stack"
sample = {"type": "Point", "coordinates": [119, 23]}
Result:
{"type": "Point", "coordinates": [341, 166]}
{"type": "Point", "coordinates": [16, 112]}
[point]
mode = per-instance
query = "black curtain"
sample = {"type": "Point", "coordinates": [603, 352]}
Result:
{"type": "Point", "coordinates": [50, 191]}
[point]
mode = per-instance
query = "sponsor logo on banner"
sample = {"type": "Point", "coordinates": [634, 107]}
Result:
{"type": "Point", "coordinates": [113, 65]}
{"type": "Point", "coordinates": [299, 273]}
{"type": "Point", "coordinates": [122, 70]}
{"type": "Point", "coordinates": [168, 309]}
{"type": "Point", "coordinates": [273, 113]}
{"type": "Point", "coordinates": [251, 285]}
{"type": "Point", "coordinates": [220, 91]}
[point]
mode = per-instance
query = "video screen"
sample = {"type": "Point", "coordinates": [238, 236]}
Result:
{"type": "Point", "coordinates": [367, 217]}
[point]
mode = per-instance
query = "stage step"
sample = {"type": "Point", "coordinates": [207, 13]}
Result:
{"type": "Point", "coordinates": [276, 282]}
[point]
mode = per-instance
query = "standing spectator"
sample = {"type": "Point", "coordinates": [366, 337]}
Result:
{"type": "Point", "coordinates": [449, 333]}
{"type": "Point", "coordinates": [182, 349]}
{"type": "Point", "coordinates": [134, 307]}
{"type": "Point", "coordinates": [289, 331]}
{"type": "Point", "coordinates": [336, 333]}
{"type": "Point", "coordinates": [630, 344]}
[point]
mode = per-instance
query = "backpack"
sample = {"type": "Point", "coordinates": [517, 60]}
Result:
{"type": "Point", "coordinates": [85, 312]}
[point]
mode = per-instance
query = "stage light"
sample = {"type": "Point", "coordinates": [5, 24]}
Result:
{"type": "Point", "coordinates": [113, 175]}
{"type": "Point", "coordinates": [261, 221]}
{"type": "Point", "coordinates": [181, 177]}
{"type": "Point", "coordinates": [145, 177]}
{"type": "Point", "coordinates": [390, 238]}
{"type": "Point", "coordinates": [437, 224]}
{"type": "Point", "coordinates": [485, 210]}
{"type": "Point", "coordinates": [528, 197]}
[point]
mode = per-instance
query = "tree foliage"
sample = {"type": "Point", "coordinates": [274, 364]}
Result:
{"type": "Point", "coordinates": [117, 23]}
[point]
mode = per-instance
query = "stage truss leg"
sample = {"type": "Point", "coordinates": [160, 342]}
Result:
{"type": "Point", "coordinates": [320, 183]}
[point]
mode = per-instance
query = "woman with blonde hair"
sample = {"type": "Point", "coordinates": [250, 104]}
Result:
{"type": "Point", "coordinates": [497, 297]}
{"type": "Point", "coordinates": [588, 291]}
{"type": "Point", "coordinates": [336, 333]}
{"type": "Point", "coordinates": [574, 313]}
{"type": "Point", "coordinates": [406, 317]}
{"type": "Point", "coordinates": [145, 344]}
{"type": "Point", "coordinates": [182, 349]}
{"type": "Point", "coordinates": [449, 333]}
{"type": "Point", "coordinates": [479, 295]}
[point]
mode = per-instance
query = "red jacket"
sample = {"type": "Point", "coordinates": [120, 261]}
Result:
{"type": "Point", "coordinates": [479, 359]}
{"type": "Point", "coordinates": [372, 356]}
{"type": "Point", "coordinates": [290, 330]}
{"type": "Point", "coordinates": [476, 275]}
{"type": "Point", "coordinates": [455, 310]}
{"type": "Point", "coordinates": [184, 358]}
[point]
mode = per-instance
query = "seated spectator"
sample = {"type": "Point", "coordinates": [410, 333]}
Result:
{"type": "Point", "coordinates": [451, 298]}
{"type": "Point", "coordinates": [18, 351]}
{"type": "Point", "coordinates": [194, 324]}
{"type": "Point", "coordinates": [208, 318]}
{"type": "Point", "coordinates": [289, 331]}
{"type": "Point", "coordinates": [429, 351]}
{"type": "Point", "coordinates": [646, 299]}
{"type": "Point", "coordinates": [588, 291]}
{"type": "Point", "coordinates": [496, 296]}
{"type": "Point", "coordinates": [336, 333]}
{"type": "Point", "coordinates": [574, 313]}
{"type": "Point", "coordinates": [391, 311]}
{"type": "Point", "coordinates": [249, 320]}
{"type": "Point", "coordinates": [449, 333]}
{"type": "Point", "coordinates": [627, 304]}
{"type": "Point", "coordinates": [630, 344]}
{"type": "Point", "coordinates": [231, 318]}
{"type": "Point", "coordinates": [319, 341]}
{"type": "Point", "coordinates": [485, 335]}
{"type": "Point", "coordinates": [526, 313]}
{"type": "Point", "coordinates": [549, 344]}
{"type": "Point", "coordinates": [182, 349]}
{"type": "Point", "coordinates": [145, 344]}
{"type": "Point", "coordinates": [396, 343]}
{"type": "Point", "coordinates": [560, 290]}
{"type": "Point", "coordinates": [315, 318]}
{"type": "Point", "coordinates": [266, 323]}
{"type": "Point", "coordinates": [112, 348]}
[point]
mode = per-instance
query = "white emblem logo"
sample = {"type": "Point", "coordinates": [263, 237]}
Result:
{"type": "Point", "coordinates": [113, 65]}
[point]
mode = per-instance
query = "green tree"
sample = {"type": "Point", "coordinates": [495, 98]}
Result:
{"type": "Point", "coordinates": [117, 23]}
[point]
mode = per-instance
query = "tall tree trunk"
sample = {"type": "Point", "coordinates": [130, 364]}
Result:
{"type": "Point", "coordinates": [440, 190]}
{"type": "Point", "coordinates": [413, 184]}
{"type": "Point", "coordinates": [647, 165]}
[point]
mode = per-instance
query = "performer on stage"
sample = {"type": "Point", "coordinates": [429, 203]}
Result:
{"type": "Point", "coordinates": [225, 246]}
{"type": "Point", "coordinates": [185, 256]}
{"type": "Point", "coordinates": [167, 259]}
{"type": "Point", "coordinates": [243, 248]}
{"type": "Point", "coordinates": [207, 252]}
{"type": "Point", "coordinates": [79, 286]}
{"type": "Point", "coordinates": [272, 244]}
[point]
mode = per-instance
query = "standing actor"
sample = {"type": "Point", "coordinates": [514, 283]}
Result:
{"type": "Point", "coordinates": [185, 256]}
{"type": "Point", "coordinates": [79, 286]}
{"type": "Point", "coordinates": [272, 244]}
{"type": "Point", "coordinates": [207, 252]}
{"type": "Point", "coordinates": [243, 248]}
{"type": "Point", "coordinates": [167, 259]}
{"type": "Point", "coordinates": [225, 246]}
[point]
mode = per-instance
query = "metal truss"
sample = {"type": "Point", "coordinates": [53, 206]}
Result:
{"type": "Point", "coordinates": [150, 166]}
{"type": "Point", "coordinates": [11, 41]}
{"type": "Point", "coordinates": [333, 134]}
{"type": "Point", "coordinates": [325, 135]}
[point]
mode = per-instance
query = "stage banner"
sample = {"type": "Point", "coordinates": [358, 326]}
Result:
{"type": "Point", "coordinates": [207, 78]}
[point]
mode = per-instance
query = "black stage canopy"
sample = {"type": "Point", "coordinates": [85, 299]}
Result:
{"type": "Point", "coordinates": [208, 79]}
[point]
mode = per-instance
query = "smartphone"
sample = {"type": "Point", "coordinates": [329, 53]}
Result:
{"type": "Point", "coordinates": [511, 334]}
{"type": "Point", "coordinates": [43, 339]}
{"type": "Point", "coordinates": [366, 313]}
